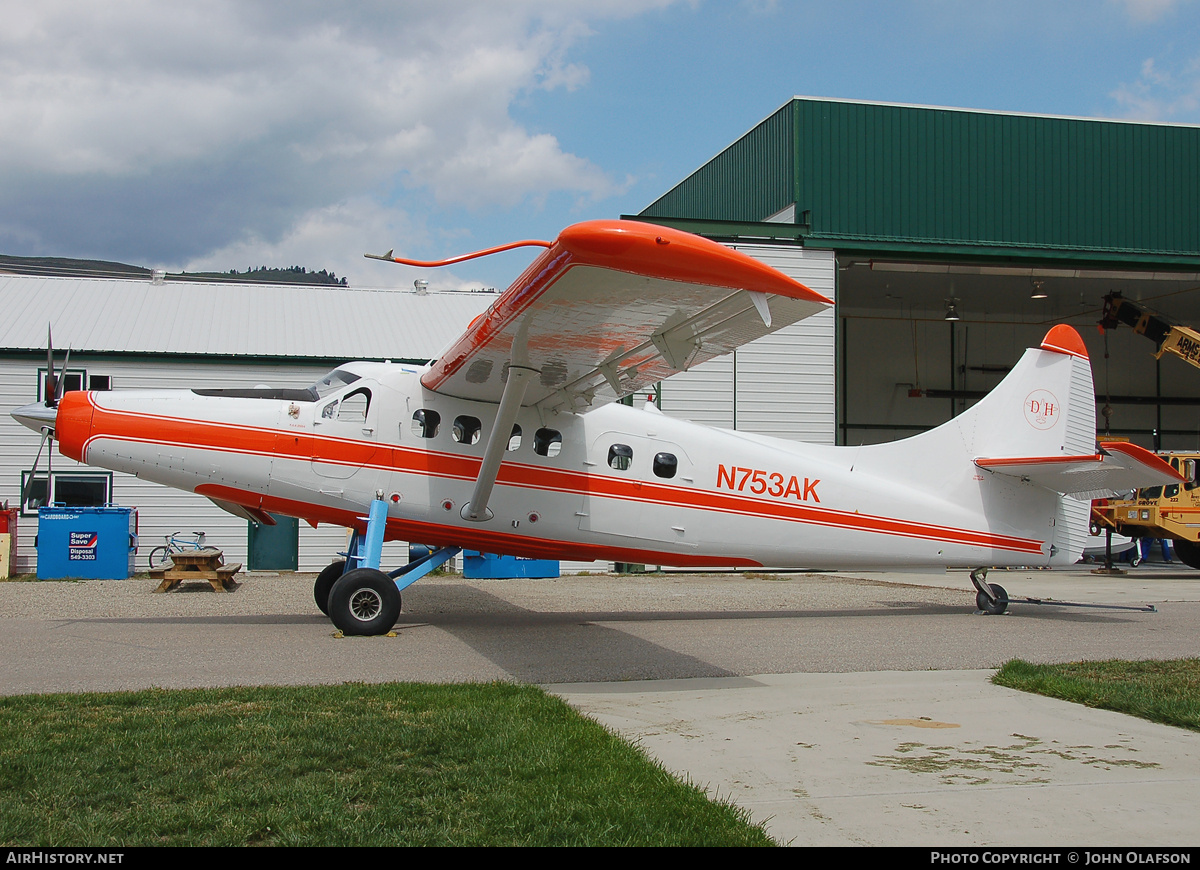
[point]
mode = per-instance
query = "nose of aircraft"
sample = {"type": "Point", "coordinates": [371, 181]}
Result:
{"type": "Point", "coordinates": [36, 416]}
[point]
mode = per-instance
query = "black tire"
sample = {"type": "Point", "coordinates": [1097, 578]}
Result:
{"type": "Point", "coordinates": [995, 605]}
{"type": "Point", "coordinates": [364, 602]}
{"type": "Point", "coordinates": [325, 580]}
{"type": "Point", "coordinates": [158, 556]}
{"type": "Point", "coordinates": [1188, 553]}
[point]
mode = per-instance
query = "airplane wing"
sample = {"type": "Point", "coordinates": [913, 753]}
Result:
{"type": "Point", "coordinates": [1118, 467]}
{"type": "Point", "coordinates": [611, 307]}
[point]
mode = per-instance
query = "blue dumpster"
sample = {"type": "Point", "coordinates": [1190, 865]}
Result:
{"type": "Point", "coordinates": [88, 542]}
{"type": "Point", "coordinates": [488, 566]}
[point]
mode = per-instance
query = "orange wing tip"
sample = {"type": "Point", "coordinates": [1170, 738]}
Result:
{"type": "Point", "coordinates": [1064, 339]}
{"type": "Point", "coordinates": [665, 252]}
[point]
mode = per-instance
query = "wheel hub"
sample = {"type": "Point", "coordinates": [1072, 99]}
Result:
{"type": "Point", "coordinates": [365, 604]}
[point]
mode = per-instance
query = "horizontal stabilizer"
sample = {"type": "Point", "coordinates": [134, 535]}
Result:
{"type": "Point", "coordinates": [1117, 468]}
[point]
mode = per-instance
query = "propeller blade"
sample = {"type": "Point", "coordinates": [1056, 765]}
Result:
{"type": "Point", "coordinates": [51, 380]}
{"type": "Point", "coordinates": [33, 474]}
{"type": "Point", "coordinates": [61, 386]}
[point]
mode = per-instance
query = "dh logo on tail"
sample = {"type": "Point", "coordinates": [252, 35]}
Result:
{"type": "Point", "coordinates": [1041, 409]}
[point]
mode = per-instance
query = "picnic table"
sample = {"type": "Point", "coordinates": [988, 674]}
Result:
{"type": "Point", "coordinates": [207, 563]}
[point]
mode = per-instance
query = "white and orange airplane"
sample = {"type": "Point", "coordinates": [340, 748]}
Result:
{"type": "Point", "coordinates": [512, 442]}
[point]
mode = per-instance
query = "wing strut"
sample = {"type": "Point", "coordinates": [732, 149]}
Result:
{"type": "Point", "coordinates": [476, 509]}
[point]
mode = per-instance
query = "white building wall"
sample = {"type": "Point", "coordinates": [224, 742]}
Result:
{"type": "Point", "coordinates": [784, 383]}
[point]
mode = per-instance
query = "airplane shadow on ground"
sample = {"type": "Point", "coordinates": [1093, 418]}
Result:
{"type": "Point", "coordinates": [613, 645]}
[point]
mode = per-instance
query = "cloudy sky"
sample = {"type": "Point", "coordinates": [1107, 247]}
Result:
{"type": "Point", "coordinates": [204, 134]}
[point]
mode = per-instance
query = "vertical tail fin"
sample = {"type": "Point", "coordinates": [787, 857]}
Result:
{"type": "Point", "coordinates": [1042, 412]}
{"type": "Point", "coordinates": [1045, 407]}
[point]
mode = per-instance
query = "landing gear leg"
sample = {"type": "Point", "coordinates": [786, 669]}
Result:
{"type": "Point", "coordinates": [991, 598]}
{"type": "Point", "coordinates": [359, 597]}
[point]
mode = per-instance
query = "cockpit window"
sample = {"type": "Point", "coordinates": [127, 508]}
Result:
{"type": "Point", "coordinates": [333, 382]}
{"type": "Point", "coordinates": [355, 406]}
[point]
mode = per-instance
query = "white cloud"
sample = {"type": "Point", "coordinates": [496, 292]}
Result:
{"type": "Point", "coordinates": [341, 232]}
{"type": "Point", "coordinates": [179, 128]}
{"type": "Point", "coordinates": [1147, 10]}
{"type": "Point", "coordinates": [339, 235]}
{"type": "Point", "coordinates": [1162, 95]}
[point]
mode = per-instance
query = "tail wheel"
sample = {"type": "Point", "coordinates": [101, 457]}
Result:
{"type": "Point", "coordinates": [1188, 553]}
{"type": "Point", "coordinates": [364, 602]}
{"type": "Point", "coordinates": [325, 580]}
{"type": "Point", "coordinates": [995, 605]}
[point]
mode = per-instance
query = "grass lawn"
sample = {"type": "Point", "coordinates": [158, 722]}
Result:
{"type": "Point", "coordinates": [393, 764]}
{"type": "Point", "coordinates": [401, 764]}
{"type": "Point", "coordinates": [1166, 691]}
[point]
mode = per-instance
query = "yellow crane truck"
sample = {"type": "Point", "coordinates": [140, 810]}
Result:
{"type": "Point", "coordinates": [1158, 511]}
{"type": "Point", "coordinates": [1171, 511]}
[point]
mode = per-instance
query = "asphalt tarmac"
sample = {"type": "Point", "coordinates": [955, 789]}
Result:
{"type": "Point", "coordinates": [838, 709]}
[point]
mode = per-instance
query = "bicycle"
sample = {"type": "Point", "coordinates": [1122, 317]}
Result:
{"type": "Point", "coordinates": [176, 543]}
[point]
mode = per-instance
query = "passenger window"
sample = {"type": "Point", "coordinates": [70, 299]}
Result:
{"type": "Point", "coordinates": [466, 430]}
{"type": "Point", "coordinates": [354, 407]}
{"type": "Point", "coordinates": [514, 440]}
{"type": "Point", "coordinates": [620, 457]}
{"type": "Point", "coordinates": [547, 442]}
{"type": "Point", "coordinates": [665, 464]}
{"type": "Point", "coordinates": [425, 423]}
{"type": "Point", "coordinates": [328, 411]}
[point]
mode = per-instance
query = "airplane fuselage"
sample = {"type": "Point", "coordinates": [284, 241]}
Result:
{"type": "Point", "coordinates": [615, 483]}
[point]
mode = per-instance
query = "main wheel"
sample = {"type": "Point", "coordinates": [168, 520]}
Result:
{"type": "Point", "coordinates": [364, 602]}
{"type": "Point", "coordinates": [1188, 553]}
{"type": "Point", "coordinates": [158, 556]}
{"type": "Point", "coordinates": [325, 581]}
{"type": "Point", "coordinates": [995, 605]}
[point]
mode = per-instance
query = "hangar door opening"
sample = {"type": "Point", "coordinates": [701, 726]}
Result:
{"type": "Point", "coordinates": [905, 364]}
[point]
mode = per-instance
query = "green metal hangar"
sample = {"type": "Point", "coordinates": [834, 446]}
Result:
{"type": "Point", "coordinates": [910, 216]}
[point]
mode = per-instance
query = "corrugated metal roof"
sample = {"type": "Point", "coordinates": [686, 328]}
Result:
{"type": "Point", "coordinates": [202, 319]}
{"type": "Point", "coordinates": [890, 176]}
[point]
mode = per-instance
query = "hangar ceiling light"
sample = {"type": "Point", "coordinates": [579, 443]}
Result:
{"type": "Point", "coordinates": [1028, 272]}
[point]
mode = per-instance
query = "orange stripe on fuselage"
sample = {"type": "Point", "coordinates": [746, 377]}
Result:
{"type": "Point", "coordinates": [227, 438]}
{"type": "Point", "coordinates": [474, 538]}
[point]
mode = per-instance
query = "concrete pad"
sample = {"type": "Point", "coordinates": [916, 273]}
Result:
{"type": "Point", "coordinates": [933, 758]}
